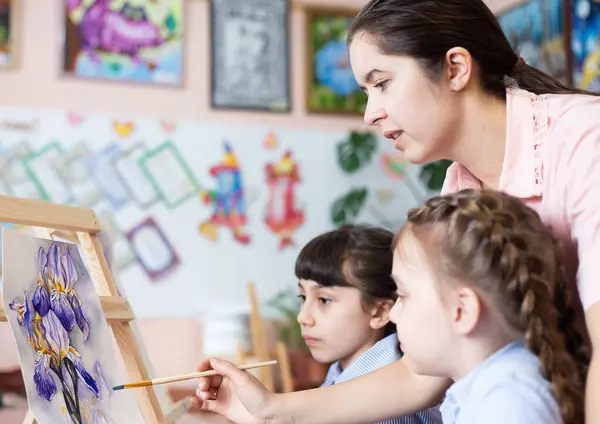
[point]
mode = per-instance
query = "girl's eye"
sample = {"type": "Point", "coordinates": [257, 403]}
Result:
{"type": "Point", "coordinates": [324, 300]}
{"type": "Point", "coordinates": [302, 298]}
{"type": "Point", "coordinates": [382, 85]}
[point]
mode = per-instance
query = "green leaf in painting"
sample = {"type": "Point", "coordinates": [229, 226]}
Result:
{"type": "Point", "coordinates": [356, 151]}
{"type": "Point", "coordinates": [345, 209]}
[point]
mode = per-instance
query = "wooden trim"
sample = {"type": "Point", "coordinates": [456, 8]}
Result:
{"type": "Point", "coordinates": [37, 213]}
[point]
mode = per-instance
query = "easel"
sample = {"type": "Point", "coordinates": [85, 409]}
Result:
{"type": "Point", "coordinates": [260, 348]}
{"type": "Point", "coordinates": [81, 225]}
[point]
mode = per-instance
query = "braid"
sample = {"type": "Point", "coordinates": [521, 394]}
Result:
{"type": "Point", "coordinates": [497, 242]}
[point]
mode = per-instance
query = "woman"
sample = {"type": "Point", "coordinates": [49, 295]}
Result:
{"type": "Point", "coordinates": [441, 79]}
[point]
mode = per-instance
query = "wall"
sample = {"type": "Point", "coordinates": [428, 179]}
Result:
{"type": "Point", "coordinates": [208, 276]}
{"type": "Point", "coordinates": [36, 83]}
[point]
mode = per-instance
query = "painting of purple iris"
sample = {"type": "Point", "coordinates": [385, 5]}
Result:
{"type": "Point", "coordinates": [62, 337]}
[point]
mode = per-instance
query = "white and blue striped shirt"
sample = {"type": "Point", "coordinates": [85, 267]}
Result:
{"type": "Point", "coordinates": [507, 388]}
{"type": "Point", "coordinates": [382, 353]}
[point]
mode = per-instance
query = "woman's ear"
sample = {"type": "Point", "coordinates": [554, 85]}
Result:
{"type": "Point", "coordinates": [380, 313]}
{"type": "Point", "coordinates": [459, 67]}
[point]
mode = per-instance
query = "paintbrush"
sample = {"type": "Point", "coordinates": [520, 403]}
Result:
{"type": "Point", "coordinates": [172, 379]}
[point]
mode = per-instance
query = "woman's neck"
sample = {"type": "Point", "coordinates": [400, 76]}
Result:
{"type": "Point", "coordinates": [482, 138]}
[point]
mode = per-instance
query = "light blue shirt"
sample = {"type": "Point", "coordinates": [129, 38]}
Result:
{"type": "Point", "coordinates": [382, 353]}
{"type": "Point", "coordinates": [507, 388]}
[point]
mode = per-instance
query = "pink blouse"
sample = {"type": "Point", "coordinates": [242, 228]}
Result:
{"type": "Point", "coordinates": [552, 162]}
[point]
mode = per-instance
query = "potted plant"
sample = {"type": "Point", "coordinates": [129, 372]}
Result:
{"type": "Point", "coordinates": [306, 372]}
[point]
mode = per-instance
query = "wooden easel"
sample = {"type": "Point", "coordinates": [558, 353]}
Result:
{"type": "Point", "coordinates": [64, 221]}
{"type": "Point", "coordinates": [260, 348]}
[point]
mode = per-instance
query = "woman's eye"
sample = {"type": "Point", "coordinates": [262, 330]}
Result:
{"type": "Point", "coordinates": [382, 84]}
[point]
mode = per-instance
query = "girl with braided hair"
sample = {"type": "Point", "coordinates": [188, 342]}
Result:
{"type": "Point", "coordinates": [481, 301]}
{"type": "Point", "coordinates": [443, 82]}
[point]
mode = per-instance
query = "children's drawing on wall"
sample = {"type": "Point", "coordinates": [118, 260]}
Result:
{"type": "Point", "coordinates": [64, 344]}
{"type": "Point", "coordinates": [152, 249]}
{"type": "Point", "coordinates": [134, 179]}
{"type": "Point", "coordinates": [101, 165]}
{"type": "Point", "coordinates": [332, 87]}
{"type": "Point", "coordinates": [535, 29]}
{"type": "Point", "coordinates": [42, 166]}
{"type": "Point", "coordinates": [126, 40]}
{"type": "Point", "coordinates": [167, 126]}
{"type": "Point", "coordinates": [78, 176]}
{"type": "Point", "coordinates": [228, 200]}
{"type": "Point", "coordinates": [123, 129]}
{"type": "Point", "coordinates": [7, 24]}
{"type": "Point", "coordinates": [14, 173]}
{"type": "Point", "coordinates": [170, 175]}
{"type": "Point", "coordinates": [74, 119]}
{"type": "Point", "coordinates": [283, 216]}
{"type": "Point", "coordinates": [270, 142]}
{"type": "Point", "coordinates": [585, 42]}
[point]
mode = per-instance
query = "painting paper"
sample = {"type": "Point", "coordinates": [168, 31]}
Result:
{"type": "Point", "coordinates": [64, 343]}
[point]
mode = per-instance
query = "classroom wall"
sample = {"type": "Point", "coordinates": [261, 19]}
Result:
{"type": "Point", "coordinates": [36, 83]}
{"type": "Point", "coordinates": [79, 120]}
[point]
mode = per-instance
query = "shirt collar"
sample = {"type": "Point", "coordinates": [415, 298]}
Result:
{"type": "Point", "coordinates": [526, 127]}
{"type": "Point", "coordinates": [384, 351]}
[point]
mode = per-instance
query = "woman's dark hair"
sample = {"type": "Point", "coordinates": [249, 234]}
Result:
{"type": "Point", "coordinates": [426, 29]}
{"type": "Point", "coordinates": [357, 256]}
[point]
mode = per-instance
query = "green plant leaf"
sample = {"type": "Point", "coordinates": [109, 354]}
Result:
{"type": "Point", "coordinates": [356, 151]}
{"type": "Point", "coordinates": [345, 209]}
{"type": "Point", "coordinates": [434, 173]}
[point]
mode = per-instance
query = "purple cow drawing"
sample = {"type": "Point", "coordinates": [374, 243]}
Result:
{"type": "Point", "coordinates": [123, 32]}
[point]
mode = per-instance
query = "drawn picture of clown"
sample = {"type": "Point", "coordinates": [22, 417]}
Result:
{"type": "Point", "coordinates": [227, 200]}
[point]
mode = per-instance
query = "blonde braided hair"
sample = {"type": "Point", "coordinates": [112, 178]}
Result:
{"type": "Point", "coordinates": [501, 246]}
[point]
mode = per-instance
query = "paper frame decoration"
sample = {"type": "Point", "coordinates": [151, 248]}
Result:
{"type": "Point", "coordinates": [101, 164]}
{"type": "Point", "coordinates": [19, 186]}
{"type": "Point", "coordinates": [33, 171]}
{"type": "Point", "coordinates": [332, 54]}
{"type": "Point", "coordinates": [84, 187]}
{"type": "Point", "coordinates": [276, 27]}
{"type": "Point", "coordinates": [140, 66]}
{"type": "Point", "coordinates": [10, 48]}
{"type": "Point", "coordinates": [538, 31]}
{"type": "Point", "coordinates": [584, 39]}
{"type": "Point", "coordinates": [140, 149]}
{"type": "Point", "coordinates": [194, 189]}
{"type": "Point", "coordinates": [149, 224]}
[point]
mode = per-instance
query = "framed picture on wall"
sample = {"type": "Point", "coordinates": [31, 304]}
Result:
{"type": "Point", "coordinates": [8, 39]}
{"type": "Point", "coordinates": [585, 44]}
{"type": "Point", "coordinates": [536, 30]}
{"type": "Point", "coordinates": [331, 86]}
{"type": "Point", "coordinates": [135, 42]}
{"type": "Point", "coordinates": [250, 55]}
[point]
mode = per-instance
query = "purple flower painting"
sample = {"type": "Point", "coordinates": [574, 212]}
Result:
{"type": "Point", "coordinates": [62, 337]}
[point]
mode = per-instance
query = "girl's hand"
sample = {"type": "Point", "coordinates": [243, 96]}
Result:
{"type": "Point", "coordinates": [240, 397]}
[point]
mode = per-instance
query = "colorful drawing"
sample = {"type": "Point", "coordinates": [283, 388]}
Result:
{"type": "Point", "coordinates": [134, 179]}
{"type": "Point", "coordinates": [64, 343]}
{"type": "Point", "coordinates": [43, 167]}
{"type": "Point", "coordinates": [393, 164]}
{"type": "Point", "coordinates": [332, 87]}
{"type": "Point", "coordinates": [170, 174]}
{"type": "Point", "coordinates": [7, 23]}
{"type": "Point", "coordinates": [105, 175]}
{"type": "Point", "coordinates": [115, 39]}
{"type": "Point", "coordinates": [152, 249]}
{"type": "Point", "coordinates": [535, 29]}
{"type": "Point", "coordinates": [167, 126]}
{"type": "Point", "coordinates": [75, 119]}
{"type": "Point", "coordinates": [283, 216]}
{"type": "Point", "coordinates": [227, 199]}
{"type": "Point", "coordinates": [585, 42]}
{"type": "Point", "coordinates": [270, 141]}
{"type": "Point", "coordinates": [123, 129]}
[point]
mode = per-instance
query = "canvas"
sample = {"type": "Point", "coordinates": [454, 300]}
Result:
{"type": "Point", "coordinates": [65, 347]}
